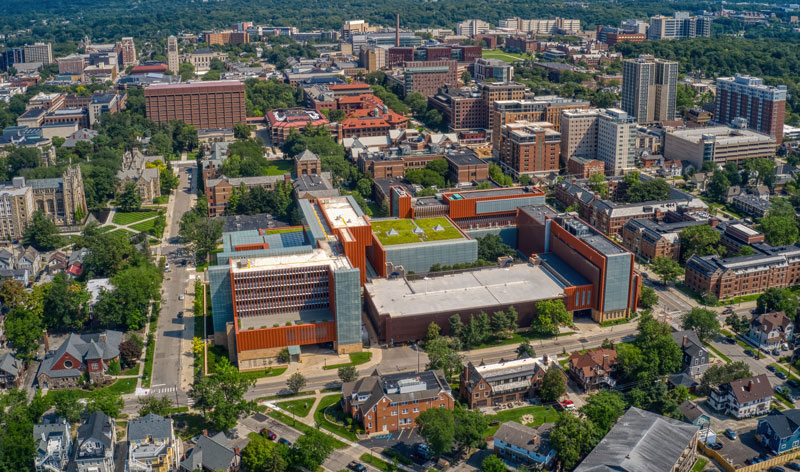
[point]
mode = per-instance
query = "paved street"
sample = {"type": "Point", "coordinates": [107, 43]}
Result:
{"type": "Point", "coordinates": [173, 334]}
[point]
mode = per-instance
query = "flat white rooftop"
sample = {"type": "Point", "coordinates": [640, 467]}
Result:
{"type": "Point", "coordinates": [327, 254]}
{"type": "Point", "coordinates": [465, 291]}
{"type": "Point", "coordinates": [744, 229]}
{"type": "Point", "coordinates": [341, 212]}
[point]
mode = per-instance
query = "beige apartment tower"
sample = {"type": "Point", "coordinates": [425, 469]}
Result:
{"type": "Point", "coordinates": [607, 135]}
{"type": "Point", "coordinates": [173, 58]}
{"type": "Point", "coordinates": [649, 87]}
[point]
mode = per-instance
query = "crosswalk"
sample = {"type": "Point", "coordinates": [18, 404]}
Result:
{"type": "Point", "coordinates": [157, 390]}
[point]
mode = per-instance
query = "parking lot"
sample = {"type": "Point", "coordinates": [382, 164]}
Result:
{"type": "Point", "coordinates": [739, 450]}
{"type": "Point", "coordinates": [403, 442]}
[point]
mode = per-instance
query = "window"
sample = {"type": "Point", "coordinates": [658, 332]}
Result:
{"type": "Point", "coordinates": [68, 364]}
{"type": "Point", "coordinates": [405, 411]}
{"type": "Point", "coordinates": [394, 412]}
{"type": "Point", "coordinates": [416, 410]}
{"type": "Point", "coordinates": [482, 386]}
{"type": "Point", "coordinates": [477, 395]}
{"type": "Point", "coordinates": [369, 425]}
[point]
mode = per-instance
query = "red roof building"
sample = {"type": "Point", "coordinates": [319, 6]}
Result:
{"type": "Point", "coordinates": [281, 121]}
{"type": "Point", "coordinates": [149, 69]}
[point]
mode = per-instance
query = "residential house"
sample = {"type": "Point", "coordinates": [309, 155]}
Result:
{"type": "Point", "coordinates": [672, 168]}
{"type": "Point", "coordinates": [75, 262]}
{"type": "Point", "coordinates": [95, 444]}
{"type": "Point", "coordinates": [7, 259]}
{"type": "Point", "coordinates": [594, 368]}
{"type": "Point", "coordinates": [30, 259]}
{"type": "Point", "coordinates": [505, 381]}
{"type": "Point", "coordinates": [307, 163]}
{"type": "Point", "coordinates": [695, 354]}
{"type": "Point", "coordinates": [151, 445]}
{"type": "Point", "coordinates": [83, 135]}
{"type": "Point", "coordinates": [20, 275]}
{"type": "Point", "coordinates": [642, 441]}
{"type": "Point", "coordinates": [742, 398]}
{"type": "Point", "coordinates": [57, 262]}
{"type": "Point", "coordinates": [10, 371]}
{"type": "Point", "coordinates": [780, 430]}
{"type": "Point", "coordinates": [700, 180]}
{"type": "Point", "coordinates": [53, 445]}
{"type": "Point", "coordinates": [391, 402]}
{"type": "Point", "coordinates": [212, 454]}
{"type": "Point", "coordinates": [522, 445]}
{"type": "Point", "coordinates": [770, 330]}
{"type": "Point", "coordinates": [693, 414]}
{"type": "Point", "coordinates": [78, 354]}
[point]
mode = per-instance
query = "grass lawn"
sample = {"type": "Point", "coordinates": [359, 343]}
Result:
{"type": "Point", "coordinates": [377, 463]}
{"type": "Point", "coordinates": [161, 200]}
{"type": "Point", "coordinates": [144, 225]}
{"type": "Point", "coordinates": [268, 372]}
{"type": "Point", "coordinates": [334, 412]}
{"type": "Point", "coordinates": [132, 217]}
{"type": "Point", "coordinates": [217, 353]}
{"type": "Point", "coordinates": [519, 338]}
{"type": "Point", "coordinates": [503, 56]}
{"type": "Point", "coordinates": [150, 352]}
{"type": "Point", "coordinates": [192, 425]}
{"type": "Point", "coordinates": [700, 465]}
{"type": "Point", "coordinates": [123, 386]}
{"type": "Point", "coordinates": [298, 407]}
{"type": "Point", "coordinates": [403, 230]}
{"type": "Point", "coordinates": [132, 371]}
{"type": "Point", "coordinates": [123, 231]}
{"type": "Point", "coordinates": [541, 414]}
{"type": "Point", "coordinates": [291, 229]}
{"type": "Point", "coordinates": [280, 167]}
{"type": "Point", "coordinates": [302, 427]}
{"type": "Point", "coordinates": [356, 358]}
{"type": "Point", "coordinates": [104, 229]}
{"type": "Point", "coordinates": [717, 353]}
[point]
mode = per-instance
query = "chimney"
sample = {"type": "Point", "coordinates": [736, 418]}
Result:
{"type": "Point", "coordinates": [205, 432]}
{"type": "Point", "coordinates": [397, 31]}
{"type": "Point", "coordinates": [683, 343]}
{"type": "Point", "coordinates": [236, 451]}
{"type": "Point", "coordinates": [545, 359]}
{"type": "Point", "coordinates": [102, 338]}
{"type": "Point", "coordinates": [46, 343]}
{"type": "Point", "coordinates": [750, 385]}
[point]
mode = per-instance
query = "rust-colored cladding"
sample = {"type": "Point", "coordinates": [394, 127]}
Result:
{"type": "Point", "coordinates": [377, 257]}
{"type": "Point", "coordinates": [281, 336]}
{"type": "Point", "coordinates": [593, 256]}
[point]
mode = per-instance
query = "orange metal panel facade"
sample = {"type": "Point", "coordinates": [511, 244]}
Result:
{"type": "Point", "coordinates": [285, 336]}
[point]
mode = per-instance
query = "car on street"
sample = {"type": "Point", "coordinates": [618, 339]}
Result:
{"type": "Point", "coordinates": [180, 314]}
{"type": "Point", "coordinates": [285, 442]}
{"type": "Point", "coordinates": [771, 368]}
{"type": "Point", "coordinates": [727, 311]}
{"type": "Point", "coordinates": [181, 297]}
{"type": "Point", "coordinates": [777, 469]}
{"type": "Point", "coordinates": [776, 352]}
{"type": "Point", "coordinates": [792, 383]}
{"type": "Point", "coordinates": [749, 352]}
{"type": "Point", "coordinates": [715, 445]}
{"type": "Point", "coordinates": [793, 465]}
{"type": "Point", "coordinates": [730, 433]}
{"type": "Point", "coordinates": [356, 467]}
{"type": "Point", "coordinates": [269, 434]}
{"type": "Point", "coordinates": [780, 375]}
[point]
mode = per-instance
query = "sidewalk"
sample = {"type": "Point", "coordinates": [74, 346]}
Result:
{"type": "Point", "coordinates": [312, 365]}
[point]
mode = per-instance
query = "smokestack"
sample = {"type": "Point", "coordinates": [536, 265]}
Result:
{"type": "Point", "coordinates": [397, 31]}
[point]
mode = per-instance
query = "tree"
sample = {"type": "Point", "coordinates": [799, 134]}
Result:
{"type": "Point", "coordinates": [702, 240]}
{"type": "Point", "coordinates": [648, 297]}
{"type": "Point", "coordinates": [263, 455]}
{"type": "Point", "coordinates": [550, 314]}
{"type": "Point", "coordinates": [466, 77]}
{"type": "Point", "coordinates": [492, 463]}
{"type": "Point", "coordinates": [17, 444]}
{"type": "Point", "coordinates": [456, 326]}
{"type": "Point", "coordinates": [661, 355]}
{"type": "Point", "coordinates": [779, 230]}
{"type": "Point", "coordinates": [107, 401]}
{"type": "Point", "coordinates": [417, 103]}
{"type": "Point", "coordinates": [719, 374]}
{"type": "Point", "coordinates": [598, 183]}
{"type": "Point", "coordinates": [222, 396]}
{"type": "Point", "coordinates": [156, 405]}
{"type": "Point", "coordinates": [200, 233]}
{"type": "Point", "coordinates": [746, 251]}
{"type": "Point", "coordinates": [12, 293]}
{"type": "Point", "coordinates": [65, 305]}
{"type": "Point", "coordinates": [491, 246]}
{"type": "Point", "coordinates": [67, 405]}
{"type": "Point", "coordinates": [778, 299]}
{"type": "Point", "coordinates": [703, 321]}
{"type": "Point", "coordinates": [718, 187]}
{"type": "Point", "coordinates": [573, 438]}
{"type": "Point", "coordinates": [168, 181]}
{"type": "Point", "coordinates": [186, 71]}
{"type": "Point", "coordinates": [525, 349]}
{"type": "Point", "coordinates": [470, 426]}
{"type": "Point", "coordinates": [504, 323]}
{"type": "Point", "coordinates": [553, 385]}
{"type": "Point", "coordinates": [603, 409]}
{"type": "Point", "coordinates": [241, 131]}
{"type": "Point", "coordinates": [296, 382]}
{"type": "Point", "coordinates": [41, 233]}
{"type": "Point", "coordinates": [432, 332]}
{"type": "Point", "coordinates": [23, 329]}
{"type": "Point", "coordinates": [130, 352]}
{"type": "Point", "coordinates": [738, 324]}
{"type": "Point", "coordinates": [311, 449]}
{"type": "Point", "coordinates": [437, 428]}
{"type": "Point", "coordinates": [443, 354]}
{"type": "Point", "coordinates": [129, 199]}
{"type": "Point", "coordinates": [667, 268]}
{"type": "Point", "coordinates": [284, 356]}
{"type": "Point", "coordinates": [348, 373]}
{"type": "Point", "coordinates": [114, 367]}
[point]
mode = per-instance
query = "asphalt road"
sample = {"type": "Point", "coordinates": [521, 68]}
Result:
{"type": "Point", "coordinates": [399, 359]}
{"type": "Point", "coordinates": [169, 357]}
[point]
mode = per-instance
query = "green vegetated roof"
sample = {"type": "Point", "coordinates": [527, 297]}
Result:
{"type": "Point", "coordinates": [407, 231]}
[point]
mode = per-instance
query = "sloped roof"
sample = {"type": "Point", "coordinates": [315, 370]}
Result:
{"type": "Point", "coordinates": [751, 389]}
{"type": "Point", "coordinates": [785, 422]}
{"type": "Point", "coordinates": [151, 425]}
{"type": "Point", "coordinates": [306, 156]}
{"type": "Point", "coordinates": [9, 364]}
{"type": "Point", "coordinates": [640, 442]}
{"type": "Point", "coordinates": [96, 428]}
{"type": "Point", "coordinates": [210, 453]}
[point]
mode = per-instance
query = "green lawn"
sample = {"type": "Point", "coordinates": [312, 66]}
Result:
{"type": "Point", "coordinates": [541, 414]}
{"type": "Point", "coordinates": [132, 371]}
{"type": "Point", "coordinates": [132, 217]}
{"type": "Point", "coordinates": [356, 358]}
{"type": "Point", "coordinates": [519, 338]}
{"type": "Point", "coordinates": [144, 225]}
{"type": "Point", "coordinates": [302, 427]}
{"type": "Point", "coordinates": [193, 425]}
{"type": "Point", "coordinates": [298, 407]}
{"type": "Point", "coordinates": [404, 229]}
{"type": "Point", "coordinates": [291, 229]}
{"type": "Point", "coordinates": [104, 229]}
{"type": "Point", "coordinates": [503, 56]}
{"type": "Point", "coordinates": [150, 352]}
{"type": "Point", "coordinates": [161, 200]}
{"type": "Point", "coordinates": [336, 413]}
{"type": "Point", "coordinates": [700, 465]}
{"type": "Point", "coordinates": [123, 386]}
{"type": "Point", "coordinates": [123, 231]}
{"type": "Point", "coordinates": [268, 372]}
{"type": "Point", "coordinates": [217, 353]}
{"type": "Point", "coordinates": [377, 463]}
{"type": "Point", "coordinates": [280, 167]}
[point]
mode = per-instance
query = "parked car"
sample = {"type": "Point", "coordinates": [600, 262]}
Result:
{"type": "Point", "coordinates": [779, 389]}
{"type": "Point", "coordinates": [729, 340]}
{"type": "Point", "coordinates": [793, 465]}
{"type": "Point", "coordinates": [730, 433]}
{"type": "Point", "coordinates": [285, 442]}
{"type": "Point", "coordinates": [749, 352]}
{"type": "Point", "coordinates": [269, 434]}
{"type": "Point", "coordinates": [181, 297]}
{"type": "Point", "coordinates": [777, 469]}
{"type": "Point", "coordinates": [776, 352]}
{"type": "Point", "coordinates": [792, 383]}
{"type": "Point", "coordinates": [727, 311]}
{"type": "Point", "coordinates": [356, 467]}
{"type": "Point", "coordinates": [715, 445]}
{"type": "Point", "coordinates": [780, 375]}
{"type": "Point", "coordinates": [568, 404]}
{"type": "Point", "coordinates": [771, 368]}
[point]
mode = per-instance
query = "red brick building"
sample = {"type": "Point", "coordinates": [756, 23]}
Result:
{"type": "Point", "coordinates": [583, 168]}
{"type": "Point", "coordinates": [387, 403]}
{"type": "Point", "coordinates": [503, 382]}
{"type": "Point", "coordinates": [764, 107]}
{"type": "Point", "coordinates": [204, 105]}
{"type": "Point", "coordinates": [529, 148]}
{"type": "Point", "coordinates": [281, 122]}
{"type": "Point", "coordinates": [594, 368]}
